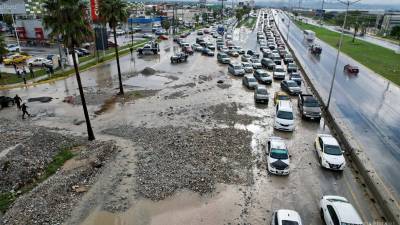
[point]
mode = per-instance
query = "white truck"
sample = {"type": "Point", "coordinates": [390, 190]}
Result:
{"type": "Point", "coordinates": [309, 35]}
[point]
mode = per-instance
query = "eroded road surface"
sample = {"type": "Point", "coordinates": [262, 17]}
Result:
{"type": "Point", "coordinates": [191, 150]}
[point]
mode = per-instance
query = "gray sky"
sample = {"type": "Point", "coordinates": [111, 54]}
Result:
{"type": "Point", "coordinates": [392, 2]}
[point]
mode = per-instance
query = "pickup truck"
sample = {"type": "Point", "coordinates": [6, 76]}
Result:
{"type": "Point", "coordinates": [149, 48]}
{"type": "Point", "coordinates": [179, 57]}
{"type": "Point", "coordinates": [5, 101]}
{"type": "Point", "coordinates": [309, 107]}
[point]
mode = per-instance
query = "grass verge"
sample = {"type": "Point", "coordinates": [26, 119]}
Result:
{"type": "Point", "coordinates": [379, 59]}
{"type": "Point", "coordinates": [248, 22]}
{"type": "Point", "coordinates": [7, 198]}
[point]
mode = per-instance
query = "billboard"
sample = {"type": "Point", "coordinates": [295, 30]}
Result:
{"type": "Point", "coordinates": [94, 10]}
{"type": "Point", "coordinates": [12, 7]}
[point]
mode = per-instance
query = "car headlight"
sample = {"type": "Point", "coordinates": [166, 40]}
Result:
{"type": "Point", "coordinates": [305, 113]}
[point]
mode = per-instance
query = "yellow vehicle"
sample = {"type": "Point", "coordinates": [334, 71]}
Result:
{"type": "Point", "coordinates": [280, 95]}
{"type": "Point", "coordinates": [15, 59]}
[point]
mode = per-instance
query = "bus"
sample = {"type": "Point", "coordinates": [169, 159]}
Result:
{"type": "Point", "coordinates": [309, 35]}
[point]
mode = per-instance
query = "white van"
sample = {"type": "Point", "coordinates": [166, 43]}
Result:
{"type": "Point", "coordinates": [309, 35]}
{"type": "Point", "coordinates": [284, 116]}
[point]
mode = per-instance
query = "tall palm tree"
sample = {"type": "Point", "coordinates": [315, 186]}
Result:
{"type": "Point", "coordinates": [67, 18]}
{"type": "Point", "coordinates": [113, 12]}
{"type": "Point", "coordinates": [3, 49]}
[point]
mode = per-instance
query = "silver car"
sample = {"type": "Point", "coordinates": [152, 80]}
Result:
{"type": "Point", "coordinates": [248, 68]}
{"type": "Point", "coordinates": [261, 94]}
{"type": "Point", "coordinates": [236, 69]}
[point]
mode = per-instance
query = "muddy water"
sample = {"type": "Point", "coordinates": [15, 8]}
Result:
{"type": "Point", "coordinates": [183, 208]}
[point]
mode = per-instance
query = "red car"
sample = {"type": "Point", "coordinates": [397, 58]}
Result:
{"type": "Point", "coordinates": [163, 37]}
{"type": "Point", "coordinates": [351, 69]}
{"type": "Point", "coordinates": [188, 50]}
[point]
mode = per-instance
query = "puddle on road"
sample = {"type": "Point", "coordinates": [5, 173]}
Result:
{"type": "Point", "coordinates": [148, 82]}
{"type": "Point", "coordinates": [184, 208]}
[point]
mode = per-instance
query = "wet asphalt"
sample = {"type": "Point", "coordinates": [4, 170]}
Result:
{"type": "Point", "coordinates": [184, 89]}
{"type": "Point", "coordinates": [367, 102]}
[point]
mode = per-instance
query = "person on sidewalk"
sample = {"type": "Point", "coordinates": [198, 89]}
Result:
{"type": "Point", "coordinates": [18, 101]}
{"type": "Point", "coordinates": [24, 111]}
{"type": "Point", "coordinates": [31, 72]}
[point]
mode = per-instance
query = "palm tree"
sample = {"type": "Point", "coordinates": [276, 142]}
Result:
{"type": "Point", "coordinates": [3, 49]}
{"type": "Point", "coordinates": [113, 12]}
{"type": "Point", "coordinates": [66, 18]}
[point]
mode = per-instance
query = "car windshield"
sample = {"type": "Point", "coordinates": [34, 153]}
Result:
{"type": "Point", "coordinates": [252, 79]}
{"type": "Point", "coordinates": [292, 84]}
{"type": "Point", "coordinates": [332, 150]}
{"type": "Point", "coordinates": [279, 153]}
{"type": "Point", "coordinates": [311, 103]}
{"type": "Point", "coordinates": [237, 67]}
{"type": "Point", "coordinates": [289, 222]}
{"type": "Point", "coordinates": [283, 97]}
{"type": "Point", "coordinates": [262, 74]}
{"type": "Point", "coordinates": [279, 70]}
{"type": "Point", "coordinates": [285, 115]}
{"type": "Point", "coordinates": [262, 91]}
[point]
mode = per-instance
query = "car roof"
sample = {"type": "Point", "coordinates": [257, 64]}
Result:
{"type": "Point", "coordinates": [328, 139]}
{"type": "Point", "coordinates": [285, 105]}
{"type": "Point", "coordinates": [286, 214]}
{"type": "Point", "coordinates": [261, 87]}
{"type": "Point", "coordinates": [346, 212]}
{"type": "Point", "coordinates": [277, 142]}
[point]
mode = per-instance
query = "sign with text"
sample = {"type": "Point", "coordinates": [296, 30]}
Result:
{"type": "Point", "coordinates": [94, 10]}
{"type": "Point", "coordinates": [12, 7]}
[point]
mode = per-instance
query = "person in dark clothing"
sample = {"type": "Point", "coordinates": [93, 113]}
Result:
{"type": "Point", "coordinates": [18, 101]}
{"type": "Point", "coordinates": [24, 111]}
{"type": "Point", "coordinates": [15, 67]}
{"type": "Point", "coordinates": [31, 72]}
{"type": "Point", "coordinates": [51, 70]}
{"type": "Point", "coordinates": [23, 71]}
{"type": "Point", "coordinates": [131, 50]}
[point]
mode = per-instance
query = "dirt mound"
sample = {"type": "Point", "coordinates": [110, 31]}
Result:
{"type": "Point", "coordinates": [148, 71]}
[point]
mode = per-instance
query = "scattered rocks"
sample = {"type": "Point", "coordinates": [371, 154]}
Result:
{"type": "Point", "coordinates": [175, 158]}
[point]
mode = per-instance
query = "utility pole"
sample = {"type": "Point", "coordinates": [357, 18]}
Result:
{"type": "Point", "coordinates": [322, 12]}
{"type": "Point", "coordinates": [348, 3]}
{"type": "Point", "coordinates": [16, 34]}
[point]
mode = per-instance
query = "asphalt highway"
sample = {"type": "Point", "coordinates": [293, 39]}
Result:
{"type": "Point", "coordinates": [367, 102]}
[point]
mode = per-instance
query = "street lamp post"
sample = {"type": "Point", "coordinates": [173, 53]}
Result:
{"type": "Point", "coordinates": [348, 3]}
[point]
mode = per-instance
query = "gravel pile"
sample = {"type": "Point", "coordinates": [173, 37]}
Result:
{"type": "Point", "coordinates": [52, 201]}
{"type": "Point", "coordinates": [25, 151]}
{"type": "Point", "coordinates": [175, 158]}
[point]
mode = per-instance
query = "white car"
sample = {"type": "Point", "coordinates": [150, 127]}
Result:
{"type": "Point", "coordinates": [279, 72]}
{"type": "Point", "coordinates": [286, 217]}
{"type": "Point", "coordinates": [38, 61]}
{"type": "Point", "coordinates": [337, 210]}
{"type": "Point", "coordinates": [12, 48]}
{"type": "Point", "coordinates": [329, 152]}
{"type": "Point", "coordinates": [284, 118]}
{"type": "Point", "coordinates": [277, 157]}
{"type": "Point", "coordinates": [248, 68]}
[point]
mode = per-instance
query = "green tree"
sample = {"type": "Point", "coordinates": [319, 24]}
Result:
{"type": "Point", "coordinates": [395, 32]}
{"type": "Point", "coordinates": [239, 14]}
{"type": "Point", "coordinates": [66, 18]}
{"type": "Point", "coordinates": [113, 12]}
{"type": "Point", "coordinates": [196, 18]}
{"type": "Point", "coordinates": [166, 25]}
{"type": "Point", "coordinates": [3, 49]}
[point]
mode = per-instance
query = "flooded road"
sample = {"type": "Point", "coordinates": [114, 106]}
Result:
{"type": "Point", "coordinates": [199, 144]}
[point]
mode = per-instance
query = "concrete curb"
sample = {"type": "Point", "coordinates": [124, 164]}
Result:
{"type": "Point", "coordinates": [386, 200]}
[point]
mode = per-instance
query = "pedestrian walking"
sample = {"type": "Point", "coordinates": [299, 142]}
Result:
{"type": "Point", "coordinates": [31, 72]}
{"type": "Point", "coordinates": [18, 101]}
{"type": "Point", "coordinates": [23, 71]}
{"type": "Point", "coordinates": [24, 79]}
{"type": "Point", "coordinates": [131, 50]}
{"type": "Point", "coordinates": [15, 67]}
{"type": "Point", "coordinates": [24, 111]}
{"type": "Point", "coordinates": [51, 69]}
